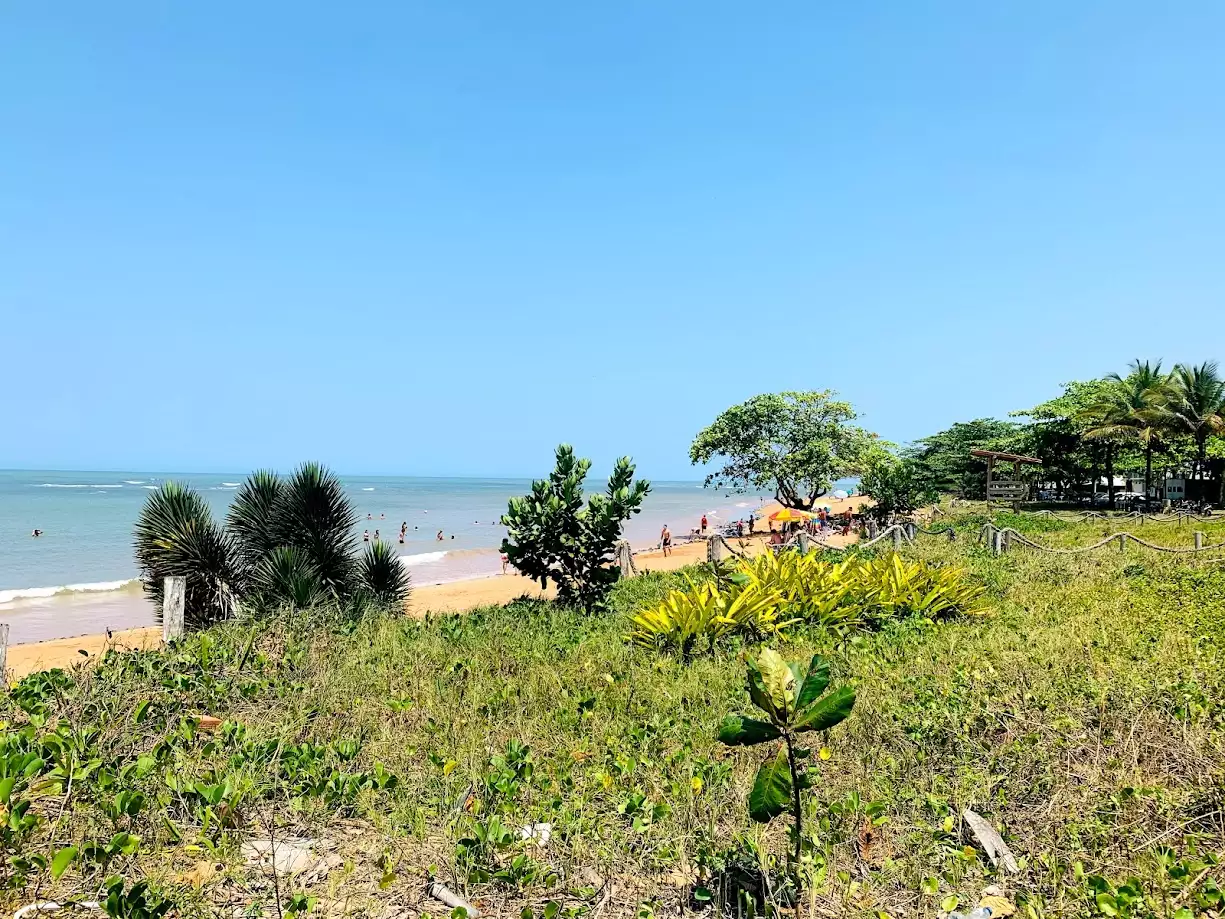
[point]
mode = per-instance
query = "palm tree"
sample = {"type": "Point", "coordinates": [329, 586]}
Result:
{"type": "Point", "coordinates": [1134, 408]}
{"type": "Point", "coordinates": [287, 543]}
{"type": "Point", "coordinates": [1198, 405]}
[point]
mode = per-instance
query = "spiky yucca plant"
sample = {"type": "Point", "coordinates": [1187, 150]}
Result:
{"type": "Point", "coordinates": [287, 543]}
{"type": "Point", "coordinates": [176, 536]}
{"type": "Point", "coordinates": [285, 579]}
{"type": "Point", "coordinates": [383, 578]}
{"type": "Point", "coordinates": [315, 516]}
{"type": "Point", "coordinates": [250, 517]}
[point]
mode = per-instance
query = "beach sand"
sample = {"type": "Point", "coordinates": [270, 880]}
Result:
{"type": "Point", "coordinates": [429, 598]}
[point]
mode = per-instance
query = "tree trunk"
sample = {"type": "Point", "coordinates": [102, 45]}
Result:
{"type": "Point", "coordinates": [1110, 476]}
{"type": "Point", "coordinates": [1148, 468]}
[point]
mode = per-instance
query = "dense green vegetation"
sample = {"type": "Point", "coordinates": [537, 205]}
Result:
{"type": "Point", "coordinates": [530, 755]}
{"type": "Point", "coordinates": [1137, 424]}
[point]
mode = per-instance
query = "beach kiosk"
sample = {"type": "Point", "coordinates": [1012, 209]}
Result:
{"type": "Point", "coordinates": [1012, 490]}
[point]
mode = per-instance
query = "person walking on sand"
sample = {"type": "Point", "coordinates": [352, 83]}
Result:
{"type": "Point", "coordinates": [665, 540]}
{"type": "Point", "coordinates": [703, 524]}
{"type": "Point", "coordinates": [752, 521]}
{"type": "Point", "coordinates": [505, 561]}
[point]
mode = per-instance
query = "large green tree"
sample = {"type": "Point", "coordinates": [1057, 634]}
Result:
{"type": "Point", "coordinates": [796, 444]}
{"type": "Point", "coordinates": [942, 463]}
{"type": "Point", "coordinates": [1055, 435]}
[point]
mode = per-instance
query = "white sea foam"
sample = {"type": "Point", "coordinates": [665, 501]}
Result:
{"type": "Point", "coordinates": [150, 487]}
{"type": "Point", "coordinates": [421, 558]}
{"type": "Point", "coordinates": [33, 593]}
{"type": "Point", "coordinates": [58, 485]}
{"type": "Point", "coordinates": [367, 489]}
{"type": "Point", "coordinates": [133, 481]}
{"type": "Point", "coordinates": [230, 484]}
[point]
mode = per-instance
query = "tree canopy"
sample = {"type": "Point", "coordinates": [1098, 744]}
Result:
{"type": "Point", "coordinates": [796, 444]}
{"type": "Point", "coordinates": [942, 463]}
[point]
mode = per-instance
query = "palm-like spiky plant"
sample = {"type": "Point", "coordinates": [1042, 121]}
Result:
{"type": "Point", "coordinates": [383, 577]}
{"type": "Point", "coordinates": [315, 516]}
{"type": "Point", "coordinates": [250, 517]}
{"type": "Point", "coordinates": [285, 578]}
{"type": "Point", "coordinates": [287, 543]}
{"type": "Point", "coordinates": [176, 536]}
{"type": "Point", "coordinates": [1198, 405]}
{"type": "Point", "coordinates": [1133, 408]}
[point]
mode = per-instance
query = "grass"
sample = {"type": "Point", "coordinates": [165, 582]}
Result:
{"type": "Point", "coordinates": [1082, 716]}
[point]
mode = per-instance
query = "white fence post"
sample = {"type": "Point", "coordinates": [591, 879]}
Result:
{"type": "Point", "coordinates": [174, 601]}
{"type": "Point", "coordinates": [1199, 540]}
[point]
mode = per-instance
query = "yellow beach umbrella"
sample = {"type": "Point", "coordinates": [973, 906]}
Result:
{"type": "Point", "coordinates": [789, 514]}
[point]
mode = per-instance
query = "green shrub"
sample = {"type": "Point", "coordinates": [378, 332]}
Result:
{"type": "Point", "coordinates": [703, 614]}
{"type": "Point", "coordinates": [553, 537]}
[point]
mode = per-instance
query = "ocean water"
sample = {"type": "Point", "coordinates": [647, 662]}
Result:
{"type": "Point", "coordinates": [79, 576]}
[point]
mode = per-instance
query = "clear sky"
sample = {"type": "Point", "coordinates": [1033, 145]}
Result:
{"type": "Point", "coordinates": [410, 238]}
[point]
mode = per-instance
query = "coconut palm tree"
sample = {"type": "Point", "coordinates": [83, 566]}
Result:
{"type": "Point", "coordinates": [287, 543]}
{"type": "Point", "coordinates": [1198, 405]}
{"type": "Point", "coordinates": [1134, 408]}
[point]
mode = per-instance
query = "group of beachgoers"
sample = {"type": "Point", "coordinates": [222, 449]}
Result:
{"type": "Point", "coordinates": [822, 521]}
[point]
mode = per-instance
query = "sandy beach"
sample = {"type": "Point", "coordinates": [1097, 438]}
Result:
{"type": "Point", "coordinates": [456, 596]}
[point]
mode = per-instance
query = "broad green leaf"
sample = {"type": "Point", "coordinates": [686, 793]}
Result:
{"type": "Point", "coordinates": [828, 711]}
{"type": "Point", "coordinates": [1106, 905]}
{"type": "Point", "coordinates": [757, 689]}
{"type": "Point", "coordinates": [771, 794]}
{"type": "Point", "coordinates": [737, 730]}
{"type": "Point", "coordinates": [63, 858]}
{"type": "Point", "coordinates": [6, 789]}
{"type": "Point", "coordinates": [776, 683]}
{"type": "Point", "coordinates": [814, 683]}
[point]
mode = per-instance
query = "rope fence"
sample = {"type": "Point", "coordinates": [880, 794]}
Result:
{"type": "Point", "coordinates": [1002, 539]}
{"type": "Point", "coordinates": [1142, 516]}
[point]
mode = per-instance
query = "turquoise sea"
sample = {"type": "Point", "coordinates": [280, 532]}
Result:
{"type": "Point", "coordinates": [78, 577]}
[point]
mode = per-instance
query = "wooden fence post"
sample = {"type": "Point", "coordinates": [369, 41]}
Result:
{"type": "Point", "coordinates": [1199, 540]}
{"type": "Point", "coordinates": [174, 601]}
{"type": "Point", "coordinates": [897, 538]}
{"type": "Point", "coordinates": [4, 650]}
{"type": "Point", "coordinates": [1122, 541]}
{"type": "Point", "coordinates": [996, 542]}
{"type": "Point", "coordinates": [801, 539]}
{"type": "Point", "coordinates": [625, 558]}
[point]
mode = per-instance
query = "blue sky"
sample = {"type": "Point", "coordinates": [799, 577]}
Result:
{"type": "Point", "coordinates": [429, 239]}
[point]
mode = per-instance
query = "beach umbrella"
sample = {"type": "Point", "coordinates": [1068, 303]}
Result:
{"type": "Point", "coordinates": [840, 494]}
{"type": "Point", "coordinates": [789, 514]}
